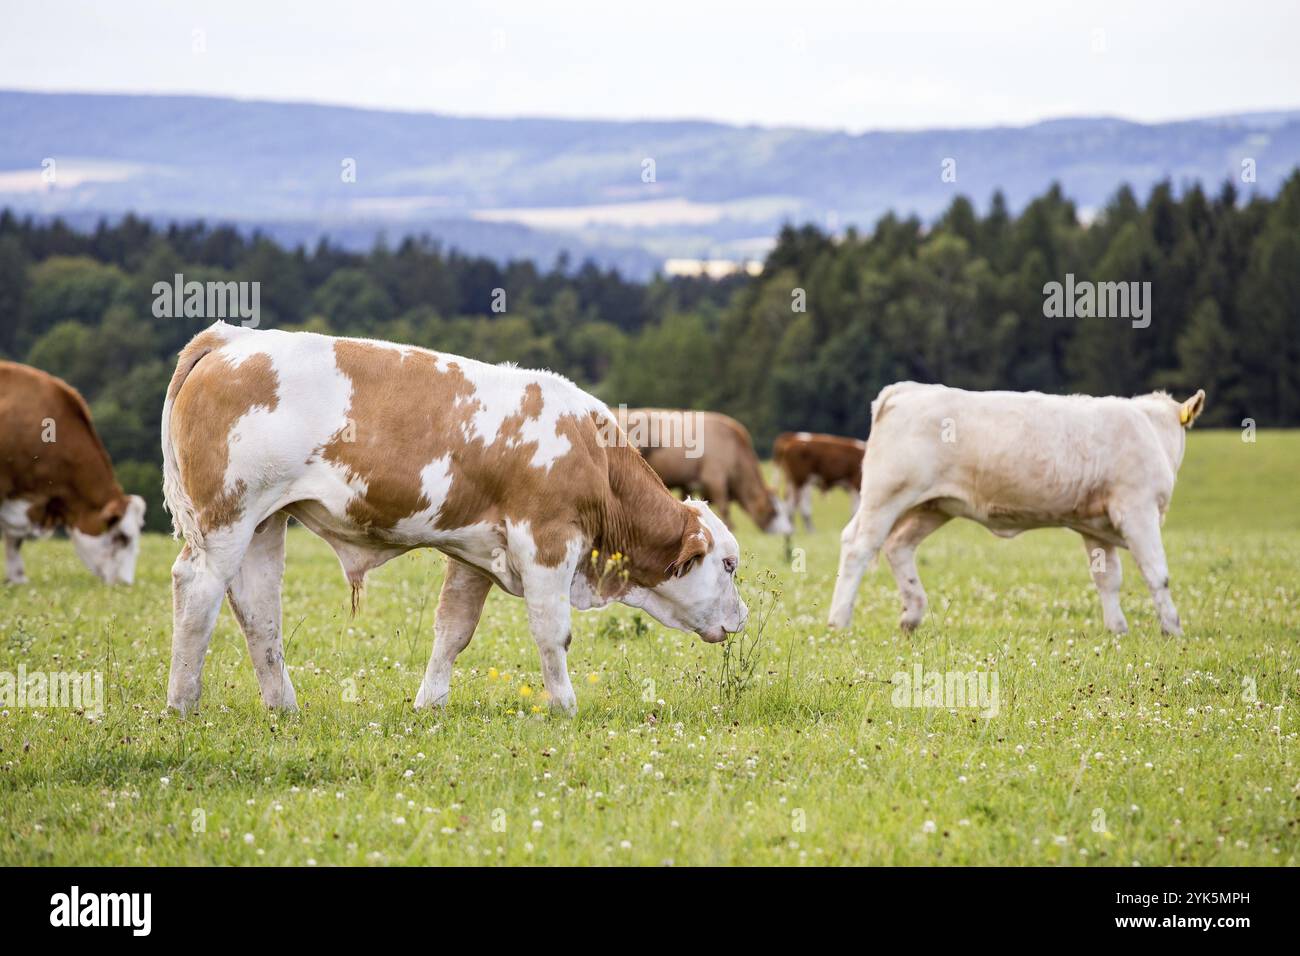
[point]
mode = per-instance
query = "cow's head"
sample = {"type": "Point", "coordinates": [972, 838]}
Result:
{"type": "Point", "coordinates": [780, 522]}
{"type": "Point", "coordinates": [1172, 420]}
{"type": "Point", "coordinates": [111, 554]}
{"type": "Point", "coordinates": [699, 593]}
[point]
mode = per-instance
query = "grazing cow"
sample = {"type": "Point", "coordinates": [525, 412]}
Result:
{"type": "Point", "coordinates": [519, 477]}
{"type": "Point", "coordinates": [710, 454]}
{"type": "Point", "coordinates": [55, 473]}
{"type": "Point", "coordinates": [806, 460]}
{"type": "Point", "coordinates": [1104, 467]}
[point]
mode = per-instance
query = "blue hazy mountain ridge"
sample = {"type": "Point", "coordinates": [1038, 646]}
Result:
{"type": "Point", "coordinates": [533, 186]}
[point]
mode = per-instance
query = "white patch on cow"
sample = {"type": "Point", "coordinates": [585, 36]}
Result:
{"type": "Point", "coordinates": [16, 525]}
{"type": "Point", "coordinates": [582, 596]}
{"type": "Point", "coordinates": [268, 448]}
{"type": "Point", "coordinates": [15, 520]}
{"type": "Point", "coordinates": [781, 522]}
{"type": "Point", "coordinates": [435, 482]}
{"type": "Point", "coordinates": [481, 545]}
{"type": "Point", "coordinates": [546, 593]}
{"type": "Point", "coordinates": [551, 445]}
{"type": "Point", "coordinates": [501, 392]}
{"type": "Point", "coordinates": [704, 599]}
{"type": "Point", "coordinates": [111, 556]}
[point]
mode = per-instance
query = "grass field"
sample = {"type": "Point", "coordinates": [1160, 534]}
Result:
{"type": "Point", "coordinates": [1141, 750]}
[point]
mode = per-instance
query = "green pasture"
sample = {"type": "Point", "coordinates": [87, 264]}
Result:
{"type": "Point", "coordinates": [785, 747]}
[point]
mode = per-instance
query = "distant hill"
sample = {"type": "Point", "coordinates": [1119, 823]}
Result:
{"type": "Point", "coordinates": [531, 187]}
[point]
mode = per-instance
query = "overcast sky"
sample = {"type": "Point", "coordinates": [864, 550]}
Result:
{"type": "Point", "coordinates": [857, 64]}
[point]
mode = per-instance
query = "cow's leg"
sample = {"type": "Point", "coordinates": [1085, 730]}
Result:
{"type": "Point", "coordinates": [1141, 530]}
{"type": "Point", "coordinates": [854, 499]}
{"type": "Point", "coordinates": [254, 597]}
{"type": "Point", "coordinates": [464, 590]}
{"type": "Point", "coordinates": [1107, 574]}
{"type": "Point", "coordinates": [861, 539]}
{"type": "Point", "coordinates": [549, 620]}
{"type": "Point", "coordinates": [716, 495]}
{"type": "Point", "coordinates": [805, 505]}
{"type": "Point", "coordinates": [14, 571]}
{"type": "Point", "coordinates": [199, 581]}
{"type": "Point", "coordinates": [900, 549]}
{"type": "Point", "coordinates": [790, 493]}
{"type": "Point", "coordinates": [546, 595]}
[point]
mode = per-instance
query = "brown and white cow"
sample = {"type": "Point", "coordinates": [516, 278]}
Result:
{"type": "Point", "coordinates": [807, 460]}
{"type": "Point", "coordinates": [710, 454]}
{"type": "Point", "coordinates": [55, 473]}
{"type": "Point", "coordinates": [1104, 467]}
{"type": "Point", "coordinates": [519, 477]}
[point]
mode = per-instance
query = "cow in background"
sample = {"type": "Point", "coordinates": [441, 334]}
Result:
{"type": "Point", "coordinates": [709, 454]}
{"type": "Point", "coordinates": [1104, 467]}
{"type": "Point", "coordinates": [55, 473]}
{"type": "Point", "coordinates": [807, 460]}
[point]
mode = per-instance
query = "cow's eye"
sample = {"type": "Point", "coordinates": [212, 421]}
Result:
{"type": "Point", "coordinates": [120, 540]}
{"type": "Point", "coordinates": [729, 565]}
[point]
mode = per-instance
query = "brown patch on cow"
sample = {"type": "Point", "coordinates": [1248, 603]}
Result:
{"type": "Point", "coordinates": [403, 411]}
{"type": "Point", "coordinates": [215, 395]}
{"type": "Point", "coordinates": [829, 460]}
{"type": "Point", "coordinates": [695, 545]}
{"type": "Point", "coordinates": [725, 470]}
{"type": "Point", "coordinates": [533, 403]}
{"type": "Point", "coordinates": [411, 408]}
{"type": "Point", "coordinates": [643, 523]}
{"type": "Point", "coordinates": [197, 347]}
{"type": "Point", "coordinates": [67, 482]}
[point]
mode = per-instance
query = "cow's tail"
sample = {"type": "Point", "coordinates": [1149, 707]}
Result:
{"type": "Point", "coordinates": [185, 516]}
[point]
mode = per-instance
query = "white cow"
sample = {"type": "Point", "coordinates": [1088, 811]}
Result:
{"type": "Point", "coordinates": [1104, 467]}
{"type": "Point", "coordinates": [522, 479]}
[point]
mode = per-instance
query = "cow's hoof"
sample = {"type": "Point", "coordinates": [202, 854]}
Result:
{"type": "Point", "coordinates": [1171, 629]}
{"type": "Point", "coordinates": [908, 624]}
{"type": "Point", "coordinates": [1119, 627]}
{"type": "Point", "coordinates": [427, 697]}
{"type": "Point", "coordinates": [184, 707]}
{"type": "Point", "coordinates": [564, 708]}
{"type": "Point", "coordinates": [21, 579]}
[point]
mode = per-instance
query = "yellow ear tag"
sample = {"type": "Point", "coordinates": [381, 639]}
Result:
{"type": "Point", "coordinates": [1184, 413]}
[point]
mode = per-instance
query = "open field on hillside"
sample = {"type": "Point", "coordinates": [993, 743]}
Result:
{"type": "Point", "coordinates": [1141, 750]}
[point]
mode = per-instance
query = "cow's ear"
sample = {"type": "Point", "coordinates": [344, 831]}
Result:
{"type": "Point", "coordinates": [1191, 409]}
{"type": "Point", "coordinates": [695, 545]}
{"type": "Point", "coordinates": [113, 512]}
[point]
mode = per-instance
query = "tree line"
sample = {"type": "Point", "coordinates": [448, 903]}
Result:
{"type": "Point", "coordinates": [805, 345]}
